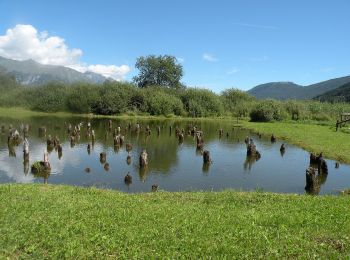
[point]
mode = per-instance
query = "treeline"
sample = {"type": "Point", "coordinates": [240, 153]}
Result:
{"type": "Point", "coordinates": [113, 98]}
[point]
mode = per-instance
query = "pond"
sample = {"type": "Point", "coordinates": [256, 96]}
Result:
{"type": "Point", "coordinates": [173, 164]}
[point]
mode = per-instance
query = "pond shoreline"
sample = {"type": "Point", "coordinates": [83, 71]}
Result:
{"type": "Point", "coordinates": [311, 136]}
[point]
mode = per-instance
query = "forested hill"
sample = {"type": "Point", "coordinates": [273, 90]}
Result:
{"type": "Point", "coordinates": [341, 94]}
{"type": "Point", "coordinates": [30, 72]}
{"type": "Point", "coordinates": [277, 90]}
{"type": "Point", "coordinates": [289, 90]}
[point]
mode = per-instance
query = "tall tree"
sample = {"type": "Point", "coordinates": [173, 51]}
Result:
{"type": "Point", "coordinates": [160, 70]}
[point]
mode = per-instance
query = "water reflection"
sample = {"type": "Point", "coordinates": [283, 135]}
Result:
{"type": "Point", "coordinates": [175, 156]}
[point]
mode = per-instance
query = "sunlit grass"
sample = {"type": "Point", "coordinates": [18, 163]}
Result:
{"type": "Point", "coordinates": [45, 221]}
{"type": "Point", "coordinates": [312, 137]}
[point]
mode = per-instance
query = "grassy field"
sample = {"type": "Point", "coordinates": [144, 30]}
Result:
{"type": "Point", "coordinates": [44, 221]}
{"type": "Point", "coordinates": [312, 137]}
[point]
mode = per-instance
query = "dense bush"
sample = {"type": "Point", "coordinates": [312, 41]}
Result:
{"type": "Point", "coordinates": [163, 104]}
{"type": "Point", "coordinates": [237, 102]}
{"type": "Point", "coordinates": [267, 110]}
{"type": "Point", "coordinates": [81, 98]}
{"type": "Point", "coordinates": [201, 102]}
{"type": "Point", "coordinates": [119, 97]}
{"type": "Point", "coordinates": [113, 98]}
{"type": "Point", "coordinates": [49, 98]}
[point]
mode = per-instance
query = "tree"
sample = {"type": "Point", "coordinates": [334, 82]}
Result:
{"type": "Point", "coordinates": [160, 70]}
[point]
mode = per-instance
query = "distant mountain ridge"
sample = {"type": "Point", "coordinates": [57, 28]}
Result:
{"type": "Point", "coordinates": [290, 90]}
{"type": "Point", "coordinates": [341, 94]}
{"type": "Point", "coordinates": [30, 72]}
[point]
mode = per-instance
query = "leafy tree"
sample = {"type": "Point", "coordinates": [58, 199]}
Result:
{"type": "Point", "coordinates": [160, 70]}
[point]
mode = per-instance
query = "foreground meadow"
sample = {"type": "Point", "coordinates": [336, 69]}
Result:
{"type": "Point", "coordinates": [45, 221]}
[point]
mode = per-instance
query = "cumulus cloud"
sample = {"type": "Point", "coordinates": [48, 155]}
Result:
{"type": "Point", "coordinates": [209, 57]}
{"type": "Point", "coordinates": [25, 42]}
{"type": "Point", "coordinates": [110, 70]}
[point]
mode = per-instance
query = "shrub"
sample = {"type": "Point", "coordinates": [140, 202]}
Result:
{"type": "Point", "coordinates": [113, 98]}
{"type": "Point", "coordinates": [82, 98]}
{"type": "Point", "coordinates": [266, 111]}
{"type": "Point", "coordinates": [201, 102]}
{"type": "Point", "coordinates": [162, 103]}
{"type": "Point", "coordinates": [49, 98]}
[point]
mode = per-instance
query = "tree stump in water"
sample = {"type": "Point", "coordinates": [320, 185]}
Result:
{"type": "Point", "coordinates": [154, 187]}
{"type": "Point", "coordinates": [273, 138]}
{"type": "Point", "coordinates": [116, 140]}
{"type": "Point", "coordinates": [103, 157]}
{"type": "Point", "coordinates": [312, 181]}
{"type": "Point", "coordinates": [26, 150]}
{"type": "Point", "coordinates": [282, 148]}
{"type": "Point", "coordinates": [128, 147]}
{"type": "Point", "coordinates": [42, 131]}
{"type": "Point", "coordinates": [199, 141]}
{"type": "Point", "coordinates": [106, 167]}
{"type": "Point", "coordinates": [143, 158]}
{"type": "Point", "coordinates": [128, 179]}
{"type": "Point", "coordinates": [206, 157]}
{"type": "Point", "coordinates": [181, 137]}
{"type": "Point", "coordinates": [319, 162]}
{"type": "Point", "coordinates": [128, 159]}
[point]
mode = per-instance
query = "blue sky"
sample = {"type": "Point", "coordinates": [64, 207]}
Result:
{"type": "Point", "coordinates": [221, 44]}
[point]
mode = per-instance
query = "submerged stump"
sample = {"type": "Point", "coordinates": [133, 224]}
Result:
{"type": "Point", "coordinates": [206, 157]}
{"type": "Point", "coordinates": [143, 158]}
{"type": "Point", "coordinates": [103, 157]}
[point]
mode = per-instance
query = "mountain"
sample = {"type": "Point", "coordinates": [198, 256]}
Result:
{"type": "Point", "coordinates": [341, 94]}
{"type": "Point", "coordinates": [30, 72]}
{"type": "Point", "coordinates": [289, 90]}
{"type": "Point", "coordinates": [324, 86]}
{"type": "Point", "coordinates": [277, 90]}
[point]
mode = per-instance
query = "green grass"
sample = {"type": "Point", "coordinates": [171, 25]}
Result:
{"type": "Point", "coordinates": [311, 137]}
{"type": "Point", "coordinates": [45, 221]}
{"type": "Point", "coordinates": [19, 112]}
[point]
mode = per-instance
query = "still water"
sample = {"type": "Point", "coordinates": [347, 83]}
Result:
{"type": "Point", "coordinates": [173, 165]}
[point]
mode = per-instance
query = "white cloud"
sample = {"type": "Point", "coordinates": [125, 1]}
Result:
{"type": "Point", "coordinates": [233, 71]}
{"type": "Point", "coordinates": [110, 70]}
{"type": "Point", "coordinates": [181, 60]}
{"type": "Point", "coordinates": [209, 57]}
{"type": "Point", "coordinates": [25, 42]}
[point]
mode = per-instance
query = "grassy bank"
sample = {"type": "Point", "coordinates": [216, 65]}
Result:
{"type": "Point", "coordinates": [312, 137]}
{"type": "Point", "coordinates": [44, 221]}
{"type": "Point", "coordinates": [18, 113]}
